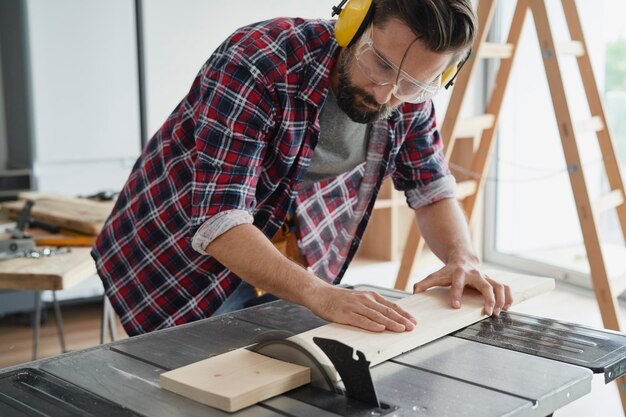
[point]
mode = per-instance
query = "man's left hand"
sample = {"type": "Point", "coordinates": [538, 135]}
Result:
{"type": "Point", "coordinates": [460, 273]}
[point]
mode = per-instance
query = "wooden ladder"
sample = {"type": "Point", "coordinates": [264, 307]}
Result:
{"type": "Point", "coordinates": [484, 126]}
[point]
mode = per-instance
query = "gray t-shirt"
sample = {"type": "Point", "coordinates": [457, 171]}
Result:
{"type": "Point", "coordinates": [342, 144]}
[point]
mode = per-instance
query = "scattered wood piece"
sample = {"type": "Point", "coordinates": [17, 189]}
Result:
{"type": "Point", "coordinates": [77, 214]}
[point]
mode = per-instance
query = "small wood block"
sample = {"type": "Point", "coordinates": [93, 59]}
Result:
{"type": "Point", "coordinates": [235, 379]}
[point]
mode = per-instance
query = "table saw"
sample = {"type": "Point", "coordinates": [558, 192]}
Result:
{"type": "Point", "coordinates": [511, 365]}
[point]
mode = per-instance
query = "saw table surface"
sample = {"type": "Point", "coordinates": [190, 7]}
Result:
{"type": "Point", "coordinates": [451, 376]}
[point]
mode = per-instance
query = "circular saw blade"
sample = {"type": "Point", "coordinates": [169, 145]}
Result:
{"type": "Point", "coordinates": [277, 345]}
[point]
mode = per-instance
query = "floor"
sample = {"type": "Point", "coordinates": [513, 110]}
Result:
{"type": "Point", "coordinates": [82, 327]}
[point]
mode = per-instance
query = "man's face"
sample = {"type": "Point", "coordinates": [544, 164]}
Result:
{"type": "Point", "coordinates": [364, 100]}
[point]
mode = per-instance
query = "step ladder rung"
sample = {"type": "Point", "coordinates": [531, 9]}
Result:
{"type": "Point", "coordinates": [465, 189]}
{"type": "Point", "coordinates": [495, 50]}
{"type": "Point", "coordinates": [473, 125]}
{"type": "Point", "coordinates": [593, 124]}
{"type": "Point", "coordinates": [609, 201]}
{"type": "Point", "coordinates": [383, 203]}
{"type": "Point", "coordinates": [618, 285]}
{"type": "Point", "coordinates": [574, 48]}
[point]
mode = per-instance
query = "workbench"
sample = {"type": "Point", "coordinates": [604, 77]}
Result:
{"type": "Point", "coordinates": [54, 273]}
{"type": "Point", "coordinates": [501, 366]}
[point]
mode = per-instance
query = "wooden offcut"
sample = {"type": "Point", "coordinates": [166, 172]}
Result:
{"type": "Point", "coordinates": [77, 214]}
{"type": "Point", "coordinates": [235, 380]}
{"type": "Point", "coordinates": [243, 380]}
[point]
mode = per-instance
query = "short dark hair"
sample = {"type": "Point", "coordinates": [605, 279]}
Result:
{"type": "Point", "coordinates": [443, 25]}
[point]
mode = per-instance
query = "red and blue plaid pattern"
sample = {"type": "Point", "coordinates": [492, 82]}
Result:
{"type": "Point", "coordinates": [242, 139]}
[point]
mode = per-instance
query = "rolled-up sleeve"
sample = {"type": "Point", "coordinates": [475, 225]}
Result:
{"type": "Point", "coordinates": [231, 137]}
{"type": "Point", "coordinates": [421, 170]}
{"type": "Point", "coordinates": [217, 226]}
{"type": "Point", "coordinates": [444, 187]}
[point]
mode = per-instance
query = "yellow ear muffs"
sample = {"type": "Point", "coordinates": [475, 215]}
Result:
{"type": "Point", "coordinates": [448, 75]}
{"type": "Point", "coordinates": [352, 21]}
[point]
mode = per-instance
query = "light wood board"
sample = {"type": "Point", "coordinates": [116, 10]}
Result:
{"type": "Point", "coordinates": [431, 309]}
{"type": "Point", "coordinates": [235, 380]}
{"type": "Point", "coordinates": [435, 318]}
{"type": "Point", "coordinates": [77, 214]}
{"type": "Point", "coordinates": [57, 272]}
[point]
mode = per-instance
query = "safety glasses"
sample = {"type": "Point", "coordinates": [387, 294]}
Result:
{"type": "Point", "coordinates": [383, 72]}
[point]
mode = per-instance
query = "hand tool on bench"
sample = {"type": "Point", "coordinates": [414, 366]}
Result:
{"type": "Point", "coordinates": [19, 242]}
{"type": "Point", "coordinates": [22, 245]}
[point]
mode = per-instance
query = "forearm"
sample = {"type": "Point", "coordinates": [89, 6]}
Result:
{"type": "Point", "coordinates": [247, 252]}
{"type": "Point", "coordinates": [445, 230]}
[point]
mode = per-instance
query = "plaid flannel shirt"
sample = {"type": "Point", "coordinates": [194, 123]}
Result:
{"type": "Point", "coordinates": [240, 142]}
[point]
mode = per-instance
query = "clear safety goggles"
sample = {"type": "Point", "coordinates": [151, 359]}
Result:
{"type": "Point", "coordinates": [383, 72]}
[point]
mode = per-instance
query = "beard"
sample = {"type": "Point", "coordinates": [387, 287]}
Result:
{"type": "Point", "coordinates": [354, 101]}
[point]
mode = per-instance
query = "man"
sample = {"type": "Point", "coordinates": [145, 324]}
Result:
{"type": "Point", "coordinates": [284, 123]}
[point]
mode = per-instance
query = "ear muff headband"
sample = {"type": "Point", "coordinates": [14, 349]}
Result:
{"type": "Point", "coordinates": [352, 21]}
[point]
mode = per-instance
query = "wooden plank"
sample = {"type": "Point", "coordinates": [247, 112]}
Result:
{"type": "Point", "coordinates": [235, 379]}
{"type": "Point", "coordinates": [78, 214]}
{"type": "Point", "coordinates": [216, 382]}
{"type": "Point", "coordinates": [435, 318]}
{"type": "Point", "coordinates": [57, 272]}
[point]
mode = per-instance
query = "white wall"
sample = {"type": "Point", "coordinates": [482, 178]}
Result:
{"type": "Point", "coordinates": [84, 77]}
{"type": "Point", "coordinates": [180, 36]}
{"type": "Point", "coordinates": [173, 56]}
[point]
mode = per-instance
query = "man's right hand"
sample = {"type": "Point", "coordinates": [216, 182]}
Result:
{"type": "Point", "coordinates": [364, 309]}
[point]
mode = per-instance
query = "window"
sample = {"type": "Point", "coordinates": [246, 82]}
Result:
{"type": "Point", "coordinates": [531, 217]}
